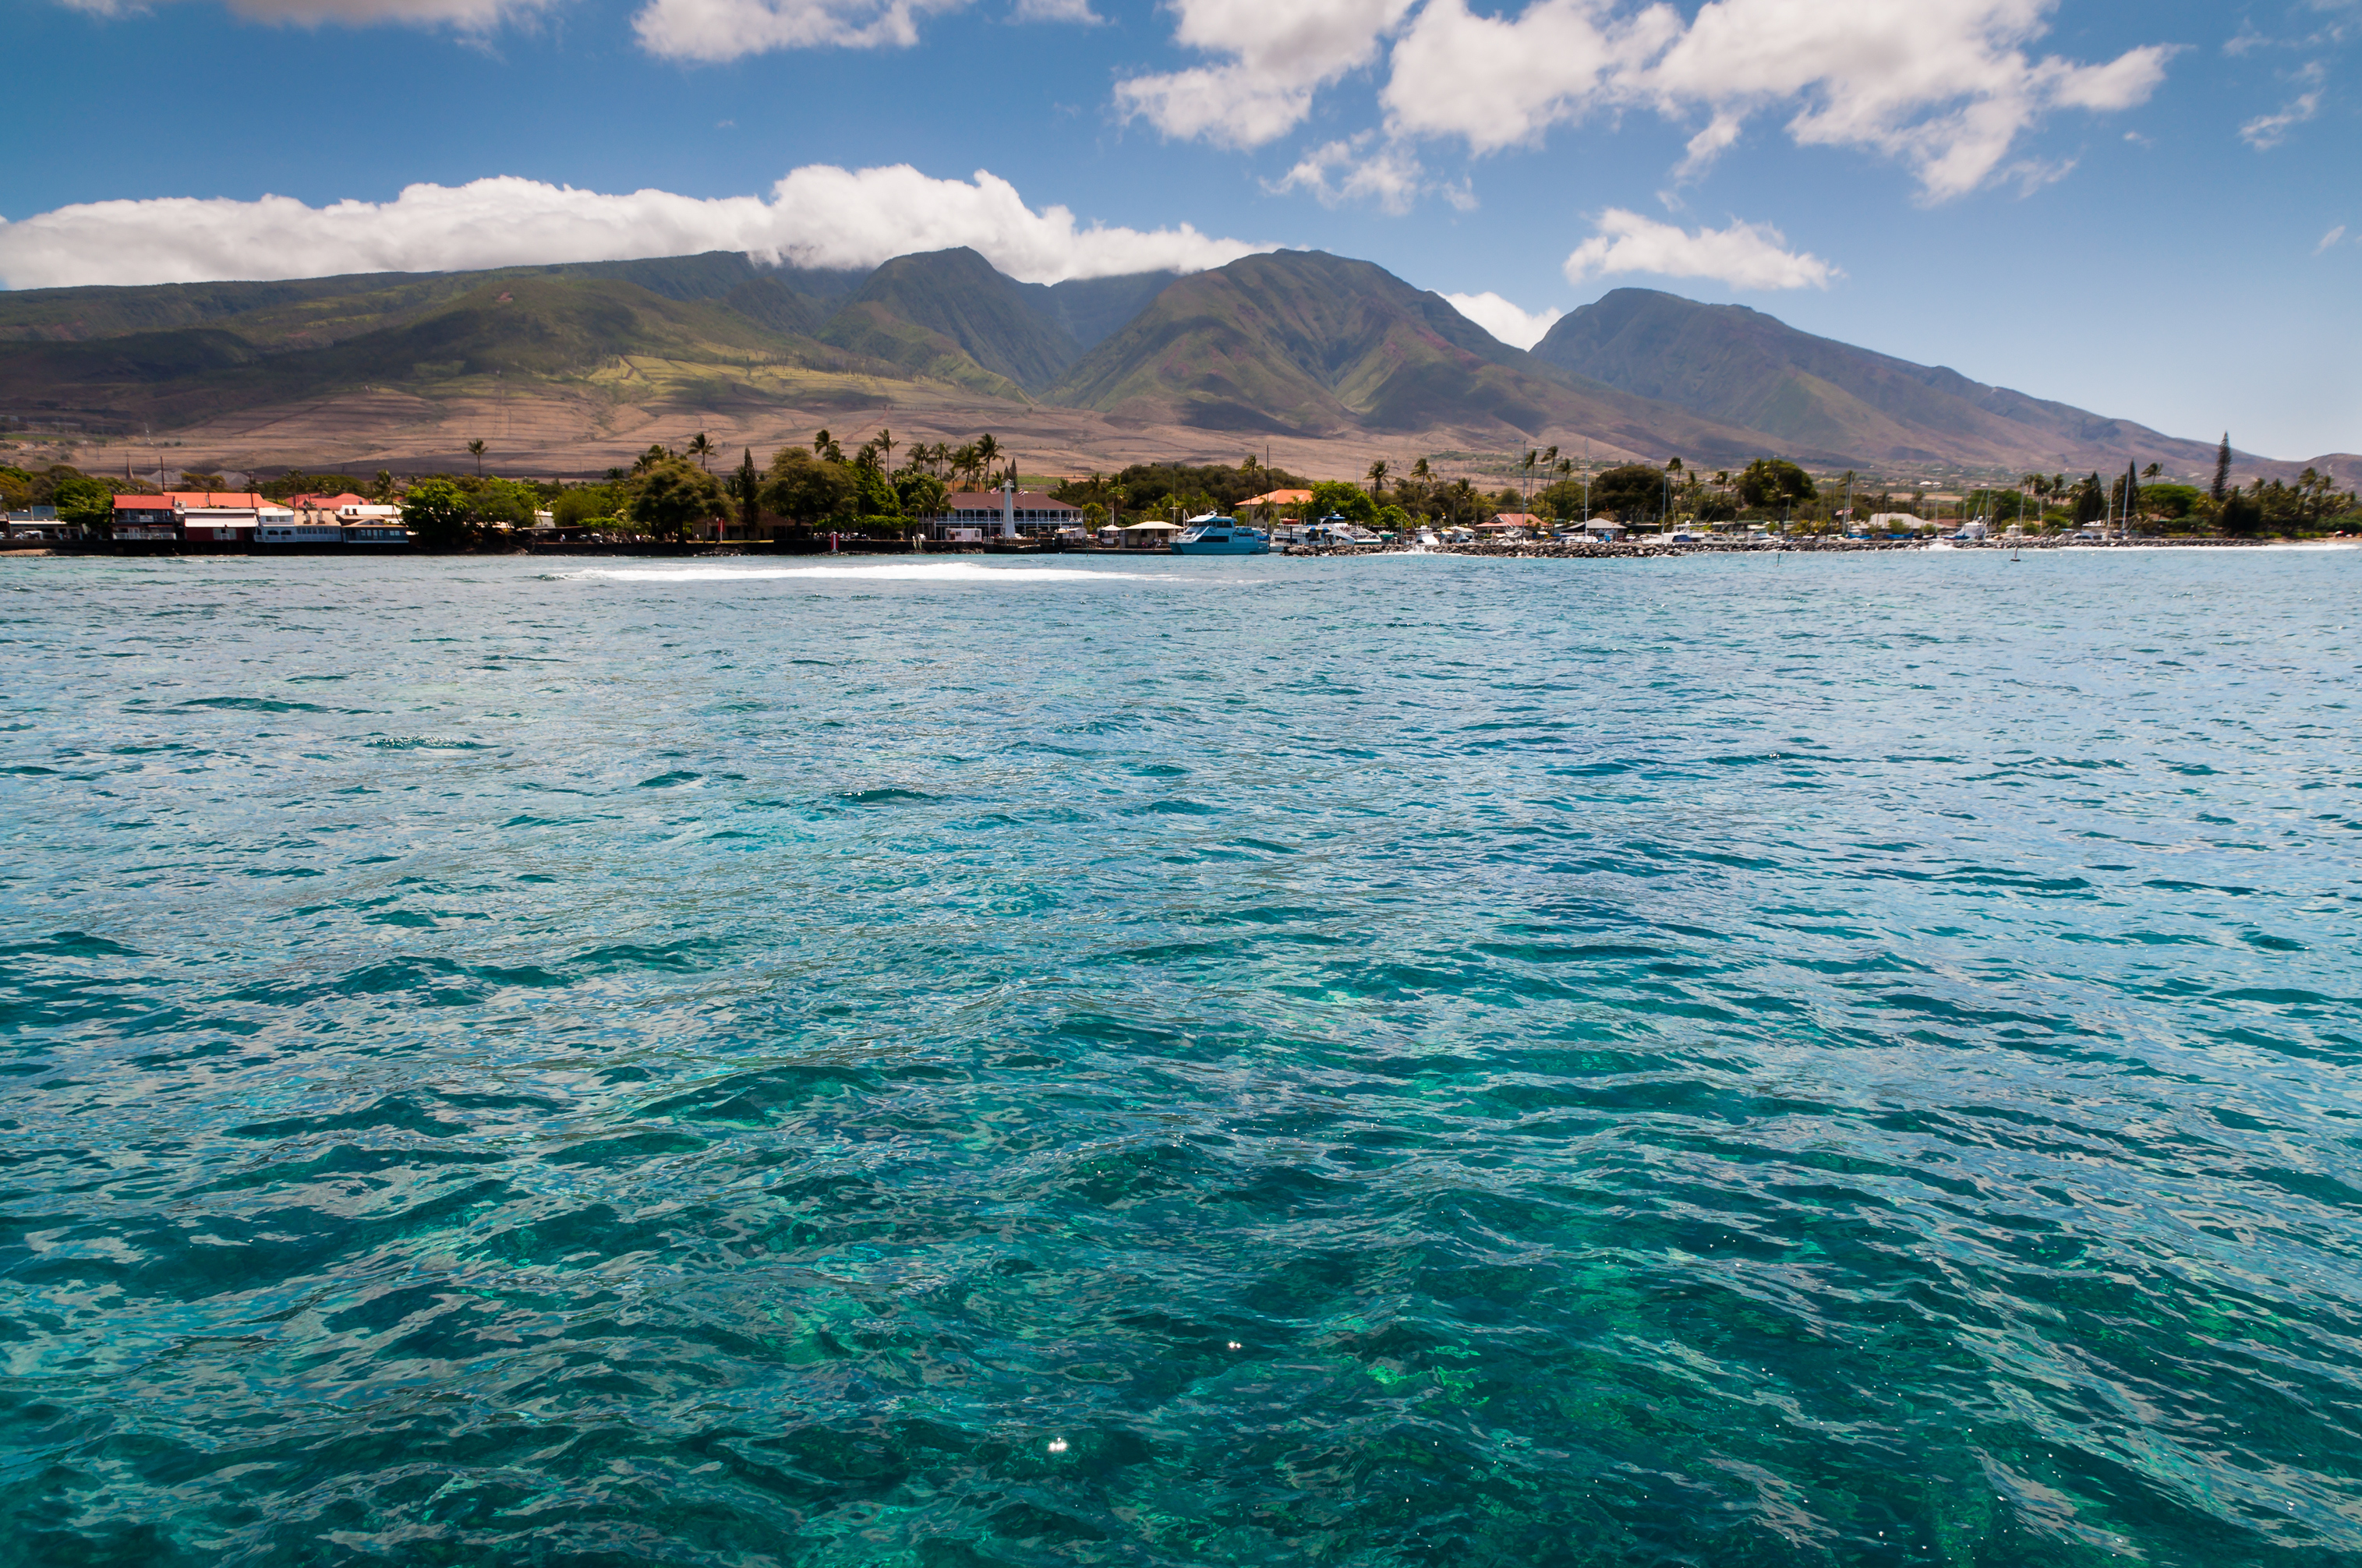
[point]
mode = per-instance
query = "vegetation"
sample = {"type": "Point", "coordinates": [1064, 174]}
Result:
{"type": "Point", "coordinates": [1156, 488]}
{"type": "Point", "coordinates": [296, 482]}
{"type": "Point", "coordinates": [674, 495]}
{"type": "Point", "coordinates": [435, 512]}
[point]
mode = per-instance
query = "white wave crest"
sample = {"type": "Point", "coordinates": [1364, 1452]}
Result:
{"type": "Point", "coordinates": [893, 571]}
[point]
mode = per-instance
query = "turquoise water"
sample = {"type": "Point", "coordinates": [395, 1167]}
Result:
{"type": "Point", "coordinates": [1398, 1061]}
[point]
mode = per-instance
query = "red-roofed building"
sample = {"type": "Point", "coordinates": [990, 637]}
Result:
{"type": "Point", "coordinates": [1278, 499]}
{"type": "Point", "coordinates": [204, 517]}
{"type": "Point", "coordinates": [1510, 522]}
{"type": "Point", "coordinates": [1004, 514]}
{"type": "Point", "coordinates": [145, 520]}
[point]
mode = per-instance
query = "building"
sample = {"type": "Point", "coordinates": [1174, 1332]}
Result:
{"type": "Point", "coordinates": [1004, 514]}
{"type": "Point", "coordinates": [38, 525]}
{"type": "Point", "coordinates": [1282, 500]}
{"type": "Point", "coordinates": [145, 520]}
{"type": "Point", "coordinates": [318, 511]}
{"type": "Point", "coordinates": [1511, 522]}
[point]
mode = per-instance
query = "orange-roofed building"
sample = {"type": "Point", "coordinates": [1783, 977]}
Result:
{"type": "Point", "coordinates": [1278, 499]}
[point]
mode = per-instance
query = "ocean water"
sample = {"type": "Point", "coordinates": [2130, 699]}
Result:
{"type": "Point", "coordinates": [1398, 1061]}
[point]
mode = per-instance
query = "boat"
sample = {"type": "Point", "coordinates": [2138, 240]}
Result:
{"type": "Point", "coordinates": [1211, 535]}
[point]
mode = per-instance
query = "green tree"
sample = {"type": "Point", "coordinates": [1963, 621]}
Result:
{"type": "Point", "coordinates": [87, 504]}
{"type": "Point", "coordinates": [2170, 501]}
{"type": "Point", "coordinates": [700, 446]}
{"type": "Point", "coordinates": [2222, 469]}
{"type": "Point", "coordinates": [1773, 482]}
{"type": "Point", "coordinates": [2089, 500]}
{"type": "Point", "coordinates": [807, 489]}
{"type": "Point", "coordinates": [476, 450]}
{"type": "Point", "coordinates": [747, 489]}
{"type": "Point", "coordinates": [1335, 497]}
{"type": "Point", "coordinates": [435, 512]}
{"type": "Point", "coordinates": [1630, 491]}
{"type": "Point", "coordinates": [581, 503]}
{"type": "Point", "coordinates": [501, 501]}
{"type": "Point", "coordinates": [2241, 514]}
{"type": "Point", "coordinates": [922, 494]}
{"type": "Point", "coordinates": [873, 494]}
{"type": "Point", "coordinates": [674, 496]}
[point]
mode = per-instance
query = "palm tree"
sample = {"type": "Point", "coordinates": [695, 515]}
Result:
{"type": "Point", "coordinates": [986, 451]}
{"type": "Point", "coordinates": [1421, 471]}
{"type": "Point", "coordinates": [885, 445]}
{"type": "Point", "coordinates": [966, 464]}
{"type": "Point", "coordinates": [824, 445]}
{"type": "Point", "coordinates": [476, 450]}
{"type": "Point", "coordinates": [1378, 478]}
{"type": "Point", "coordinates": [700, 446]}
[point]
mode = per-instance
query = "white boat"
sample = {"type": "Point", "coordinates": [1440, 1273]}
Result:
{"type": "Point", "coordinates": [1211, 535]}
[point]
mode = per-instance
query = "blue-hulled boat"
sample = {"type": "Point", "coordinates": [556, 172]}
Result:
{"type": "Point", "coordinates": [1220, 536]}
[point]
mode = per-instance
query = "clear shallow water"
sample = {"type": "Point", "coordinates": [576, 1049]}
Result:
{"type": "Point", "coordinates": [1727, 1060]}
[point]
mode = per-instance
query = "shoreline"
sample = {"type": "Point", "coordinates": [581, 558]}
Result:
{"type": "Point", "coordinates": [875, 549]}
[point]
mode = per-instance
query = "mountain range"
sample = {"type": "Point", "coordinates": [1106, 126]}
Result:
{"type": "Point", "coordinates": [1300, 345]}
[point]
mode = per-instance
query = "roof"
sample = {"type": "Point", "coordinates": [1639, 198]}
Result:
{"type": "Point", "coordinates": [1513, 520]}
{"type": "Point", "coordinates": [190, 499]}
{"type": "Point", "coordinates": [1279, 498]}
{"type": "Point", "coordinates": [325, 503]}
{"type": "Point", "coordinates": [990, 500]}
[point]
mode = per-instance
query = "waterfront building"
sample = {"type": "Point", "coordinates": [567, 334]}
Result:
{"type": "Point", "coordinates": [1004, 514]}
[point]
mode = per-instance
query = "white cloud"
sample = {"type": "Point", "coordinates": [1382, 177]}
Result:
{"type": "Point", "coordinates": [818, 215]}
{"type": "Point", "coordinates": [468, 15]}
{"type": "Point", "coordinates": [1391, 176]}
{"type": "Point", "coordinates": [1516, 327]}
{"type": "Point", "coordinates": [1280, 52]}
{"type": "Point", "coordinates": [2265, 132]}
{"type": "Point", "coordinates": [1495, 81]}
{"type": "Point", "coordinates": [726, 29]}
{"type": "Point", "coordinates": [1946, 86]}
{"type": "Point", "coordinates": [1745, 256]}
{"type": "Point", "coordinates": [674, 30]}
{"type": "Point", "coordinates": [2329, 241]}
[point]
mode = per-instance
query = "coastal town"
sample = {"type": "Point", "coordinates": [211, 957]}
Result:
{"type": "Point", "coordinates": [816, 498]}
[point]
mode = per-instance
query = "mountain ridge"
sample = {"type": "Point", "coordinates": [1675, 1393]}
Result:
{"type": "Point", "coordinates": [1733, 362]}
{"type": "Point", "coordinates": [1297, 344]}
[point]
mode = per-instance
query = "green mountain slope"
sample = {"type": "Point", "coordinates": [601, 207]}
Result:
{"type": "Point", "coordinates": [1302, 342]}
{"type": "Point", "coordinates": [311, 312]}
{"type": "Point", "coordinates": [1736, 364]}
{"type": "Point", "coordinates": [921, 311]}
{"type": "Point", "coordinates": [1092, 310]}
{"type": "Point", "coordinates": [541, 327]}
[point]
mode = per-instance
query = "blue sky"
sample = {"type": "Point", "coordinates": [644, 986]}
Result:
{"type": "Point", "coordinates": [2149, 210]}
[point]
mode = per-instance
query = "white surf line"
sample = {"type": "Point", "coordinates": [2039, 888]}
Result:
{"type": "Point", "coordinates": [898, 571]}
